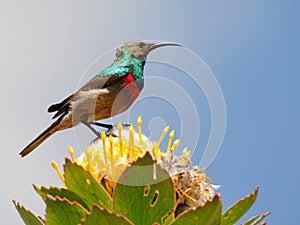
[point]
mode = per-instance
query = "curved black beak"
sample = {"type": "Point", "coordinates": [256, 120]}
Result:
{"type": "Point", "coordinates": [163, 44]}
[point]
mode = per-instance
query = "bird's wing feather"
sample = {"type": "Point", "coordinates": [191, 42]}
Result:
{"type": "Point", "coordinates": [57, 106]}
{"type": "Point", "coordinates": [95, 83]}
{"type": "Point", "coordinates": [99, 82]}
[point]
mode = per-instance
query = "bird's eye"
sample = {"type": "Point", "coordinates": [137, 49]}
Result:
{"type": "Point", "coordinates": [119, 54]}
{"type": "Point", "coordinates": [141, 44]}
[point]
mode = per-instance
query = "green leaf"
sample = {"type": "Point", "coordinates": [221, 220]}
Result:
{"type": "Point", "coordinates": [60, 192]}
{"type": "Point", "coordinates": [237, 210]}
{"type": "Point", "coordinates": [63, 212]}
{"type": "Point", "coordinates": [28, 217]}
{"type": "Point", "coordinates": [256, 219]}
{"type": "Point", "coordinates": [209, 214]}
{"type": "Point", "coordinates": [84, 185]}
{"type": "Point", "coordinates": [251, 220]}
{"type": "Point", "coordinates": [144, 192]}
{"type": "Point", "coordinates": [104, 217]}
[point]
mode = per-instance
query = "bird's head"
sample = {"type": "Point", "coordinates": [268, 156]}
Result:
{"type": "Point", "coordinates": [139, 49]}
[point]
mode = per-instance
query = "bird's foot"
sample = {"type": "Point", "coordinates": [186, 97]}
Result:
{"type": "Point", "coordinates": [126, 125]}
{"type": "Point", "coordinates": [91, 128]}
{"type": "Point", "coordinates": [111, 129]}
{"type": "Point", "coordinates": [105, 125]}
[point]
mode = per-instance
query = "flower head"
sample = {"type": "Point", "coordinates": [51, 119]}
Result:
{"type": "Point", "coordinates": [109, 155]}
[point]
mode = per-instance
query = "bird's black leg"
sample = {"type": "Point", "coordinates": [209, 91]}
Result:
{"type": "Point", "coordinates": [105, 125]}
{"type": "Point", "coordinates": [91, 128]}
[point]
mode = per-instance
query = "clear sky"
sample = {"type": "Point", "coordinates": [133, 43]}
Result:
{"type": "Point", "coordinates": [252, 47]}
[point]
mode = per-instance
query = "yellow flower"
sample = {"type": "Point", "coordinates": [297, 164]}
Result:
{"type": "Point", "coordinates": [109, 155]}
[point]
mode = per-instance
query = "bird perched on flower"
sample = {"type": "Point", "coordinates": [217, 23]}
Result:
{"type": "Point", "coordinates": [110, 92]}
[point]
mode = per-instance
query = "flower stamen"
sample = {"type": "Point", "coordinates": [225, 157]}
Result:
{"type": "Point", "coordinates": [55, 166]}
{"type": "Point", "coordinates": [131, 142]}
{"type": "Point", "coordinates": [171, 136]}
{"type": "Point", "coordinates": [139, 123]}
{"type": "Point", "coordinates": [165, 131]}
{"type": "Point", "coordinates": [185, 155]}
{"type": "Point", "coordinates": [175, 144]}
{"type": "Point", "coordinates": [71, 152]}
{"type": "Point", "coordinates": [120, 138]}
{"type": "Point", "coordinates": [103, 138]}
{"type": "Point", "coordinates": [111, 142]}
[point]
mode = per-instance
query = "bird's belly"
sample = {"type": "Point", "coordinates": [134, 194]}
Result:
{"type": "Point", "coordinates": [99, 104]}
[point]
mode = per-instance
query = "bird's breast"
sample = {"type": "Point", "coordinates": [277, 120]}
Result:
{"type": "Point", "coordinates": [132, 86]}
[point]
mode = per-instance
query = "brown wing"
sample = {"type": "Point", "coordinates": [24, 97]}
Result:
{"type": "Point", "coordinates": [102, 82]}
{"type": "Point", "coordinates": [95, 83]}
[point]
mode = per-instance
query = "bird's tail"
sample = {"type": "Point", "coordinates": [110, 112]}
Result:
{"type": "Point", "coordinates": [41, 138]}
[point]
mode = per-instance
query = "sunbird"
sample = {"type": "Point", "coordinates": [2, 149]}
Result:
{"type": "Point", "coordinates": [110, 92]}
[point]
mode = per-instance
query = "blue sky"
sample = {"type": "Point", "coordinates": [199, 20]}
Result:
{"type": "Point", "coordinates": [251, 46]}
